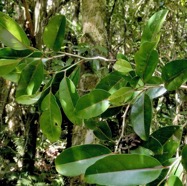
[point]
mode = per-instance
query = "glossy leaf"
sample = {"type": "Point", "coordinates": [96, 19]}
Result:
{"type": "Point", "coordinates": [184, 157]}
{"type": "Point", "coordinates": [75, 160]}
{"type": "Point", "coordinates": [112, 82]}
{"type": "Point", "coordinates": [68, 98]}
{"type": "Point", "coordinates": [121, 96]}
{"type": "Point", "coordinates": [174, 74]}
{"type": "Point", "coordinates": [8, 65]}
{"type": "Point", "coordinates": [51, 118]}
{"type": "Point", "coordinates": [146, 60]}
{"type": "Point", "coordinates": [124, 170]}
{"type": "Point", "coordinates": [122, 66]}
{"type": "Point", "coordinates": [141, 116]}
{"type": "Point", "coordinates": [11, 34]}
{"type": "Point", "coordinates": [156, 92]}
{"type": "Point", "coordinates": [54, 32]}
{"type": "Point", "coordinates": [173, 181]}
{"type": "Point", "coordinates": [153, 26]}
{"type": "Point", "coordinates": [92, 104]}
{"type": "Point", "coordinates": [31, 78]}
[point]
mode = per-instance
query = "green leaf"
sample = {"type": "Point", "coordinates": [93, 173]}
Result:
{"type": "Point", "coordinates": [146, 60]}
{"type": "Point", "coordinates": [122, 66]}
{"type": "Point", "coordinates": [121, 96]}
{"type": "Point", "coordinates": [68, 98]}
{"type": "Point", "coordinates": [173, 181]}
{"type": "Point", "coordinates": [31, 78]}
{"type": "Point", "coordinates": [141, 116]}
{"type": "Point", "coordinates": [174, 74]}
{"type": "Point", "coordinates": [51, 118]}
{"type": "Point", "coordinates": [123, 170]}
{"type": "Point", "coordinates": [75, 160]}
{"type": "Point", "coordinates": [92, 104]}
{"type": "Point", "coordinates": [153, 26]}
{"type": "Point", "coordinates": [75, 75]}
{"type": "Point", "coordinates": [8, 65]}
{"type": "Point", "coordinates": [54, 32]}
{"type": "Point", "coordinates": [184, 157]}
{"type": "Point", "coordinates": [11, 34]}
{"type": "Point", "coordinates": [112, 82]}
{"type": "Point", "coordinates": [156, 92]}
{"type": "Point", "coordinates": [29, 99]}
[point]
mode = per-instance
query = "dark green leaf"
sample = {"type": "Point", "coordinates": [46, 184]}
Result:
{"type": "Point", "coordinates": [92, 104]}
{"type": "Point", "coordinates": [141, 116]}
{"type": "Point", "coordinates": [184, 157]}
{"type": "Point", "coordinates": [122, 66]}
{"type": "Point", "coordinates": [121, 96]}
{"type": "Point", "coordinates": [112, 82]}
{"type": "Point", "coordinates": [68, 98]}
{"type": "Point", "coordinates": [75, 160]}
{"type": "Point", "coordinates": [153, 26]}
{"type": "Point", "coordinates": [11, 34]}
{"type": "Point", "coordinates": [51, 118]}
{"type": "Point", "coordinates": [8, 65]}
{"type": "Point", "coordinates": [54, 32]}
{"type": "Point", "coordinates": [146, 60]}
{"type": "Point", "coordinates": [174, 74]}
{"type": "Point", "coordinates": [123, 170]}
{"type": "Point", "coordinates": [31, 78]}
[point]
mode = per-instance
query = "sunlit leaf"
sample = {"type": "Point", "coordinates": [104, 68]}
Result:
{"type": "Point", "coordinates": [31, 78]}
{"type": "Point", "coordinates": [141, 116]}
{"type": "Point", "coordinates": [75, 160]}
{"type": "Point", "coordinates": [122, 66]}
{"type": "Point", "coordinates": [153, 26]}
{"type": "Point", "coordinates": [8, 65]}
{"type": "Point", "coordinates": [173, 181]}
{"type": "Point", "coordinates": [51, 118]}
{"type": "Point", "coordinates": [123, 170]}
{"type": "Point", "coordinates": [174, 74]}
{"type": "Point", "coordinates": [146, 60]}
{"type": "Point", "coordinates": [68, 98]}
{"type": "Point", "coordinates": [11, 34]}
{"type": "Point", "coordinates": [92, 104]}
{"type": "Point", "coordinates": [54, 32]}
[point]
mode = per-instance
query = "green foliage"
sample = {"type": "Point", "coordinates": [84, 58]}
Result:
{"type": "Point", "coordinates": [58, 94]}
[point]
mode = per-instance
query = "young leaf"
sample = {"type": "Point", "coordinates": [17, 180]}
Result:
{"type": "Point", "coordinates": [75, 160]}
{"type": "Point", "coordinates": [123, 170]}
{"type": "Point", "coordinates": [51, 118]}
{"type": "Point", "coordinates": [68, 98]}
{"type": "Point", "coordinates": [141, 116]}
{"type": "Point", "coordinates": [153, 26]}
{"type": "Point", "coordinates": [54, 32]}
{"type": "Point", "coordinates": [92, 104]}
{"type": "Point", "coordinates": [174, 74]}
{"type": "Point", "coordinates": [11, 34]}
{"type": "Point", "coordinates": [122, 66]}
{"type": "Point", "coordinates": [146, 60]}
{"type": "Point", "coordinates": [31, 78]}
{"type": "Point", "coordinates": [8, 65]}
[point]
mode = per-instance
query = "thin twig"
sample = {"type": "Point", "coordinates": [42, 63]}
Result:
{"type": "Point", "coordinates": [124, 125]}
{"type": "Point", "coordinates": [81, 57]}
